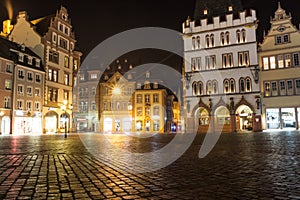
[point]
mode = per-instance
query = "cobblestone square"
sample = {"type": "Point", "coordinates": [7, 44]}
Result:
{"type": "Point", "coordinates": [241, 166]}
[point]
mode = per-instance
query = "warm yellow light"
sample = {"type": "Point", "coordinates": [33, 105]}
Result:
{"type": "Point", "coordinates": [117, 91]}
{"type": "Point", "coordinates": [65, 102]}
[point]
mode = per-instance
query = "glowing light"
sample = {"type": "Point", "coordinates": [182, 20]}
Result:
{"type": "Point", "coordinates": [9, 9]}
{"type": "Point", "coordinates": [117, 91]}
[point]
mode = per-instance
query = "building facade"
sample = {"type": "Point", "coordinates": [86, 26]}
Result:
{"type": "Point", "coordinates": [280, 76]}
{"type": "Point", "coordinates": [53, 39]}
{"type": "Point", "coordinates": [221, 87]}
{"type": "Point", "coordinates": [23, 88]}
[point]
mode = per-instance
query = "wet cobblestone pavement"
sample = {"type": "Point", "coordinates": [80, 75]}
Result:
{"type": "Point", "coordinates": [241, 166]}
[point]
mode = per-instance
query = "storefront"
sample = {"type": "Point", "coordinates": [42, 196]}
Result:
{"type": "Point", "coordinates": [26, 123]}
{"type": "Point", "coordinates": [282, 118]}
{"type": "Point", "coordinates": [51, 119]}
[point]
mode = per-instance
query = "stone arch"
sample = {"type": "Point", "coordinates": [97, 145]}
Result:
{"type": "Point", "coordinates": [201, 104]}
{"type": "Point", "coordinates": [243, 101]}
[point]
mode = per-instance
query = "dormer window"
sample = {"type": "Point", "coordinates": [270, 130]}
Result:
{"type": "Point", "coordinates": [148, 75]}
{"type": "Point", "coordinates": [205, 12]}
{"type": "Point", "coordinates": [37, 62]}
{"type": "Point", "coordinates": [105, 77]}
{"type": "Point", "coordinates": [21, 57]}
{"type": "Point", "coordinates": [230, 8]}
{"type": "Point", "coordinates": [29, 61]}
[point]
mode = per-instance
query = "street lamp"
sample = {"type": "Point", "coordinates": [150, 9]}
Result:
{"type": "Point", "coordinates": [64, 109]}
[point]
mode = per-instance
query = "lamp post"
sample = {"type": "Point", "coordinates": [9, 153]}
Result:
{"type": "Point", "coordinates": [64, 109]}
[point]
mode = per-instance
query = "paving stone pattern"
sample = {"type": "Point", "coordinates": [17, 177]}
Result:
{"type": "Point", "coordinates": [241, 166]}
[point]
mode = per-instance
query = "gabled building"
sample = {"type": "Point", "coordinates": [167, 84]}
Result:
{"type": "Point", "coordinates": [53, 39]}
{"type": "Point", "coordinates": [23, 89]}
{"type": "Point", "coordinates": [221, 86]}
{"type": "Point", "coordinates": [279, 59]}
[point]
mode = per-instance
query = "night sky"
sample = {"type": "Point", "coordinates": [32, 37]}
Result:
{"type": "Point", "coordinates": [93, 23]}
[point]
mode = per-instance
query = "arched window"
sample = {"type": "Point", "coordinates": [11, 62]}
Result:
{"type": "Point", "coordinates": [207, 41]}
{"type": "Point", "coordinates": [200, 87]}
{"type": "Point", "coordinates": [212, 40]}
{"type": "Point", "coordinates": [227, 38]}
{"type": "Point", "coordinates": [222, 115]}
{"type": "Point", "coordinates": [248, 85]}
{"type": "Point", "coordinates": [194, 42]}
{"type": "Point", "coordinates": [209, 87]}
{"type": "Point", "coordinates": [215, 87]}
{"type": "Point", "coordinates": [198, 42]}
{"type": "Point", "coordinates": [244, 35]}
{"type": "Point", "coordinates": [232, 86]}
{"type": "Point", "coordinates": [242, 85]}
{"type": "Point", "coordinates": [238, 36]}
{"type": "Point", "coordinates": [222, 38]}
{"type": "Point", "coordinates": [195, 88]}
{"type": "Point", "coordinates": [226, 86]}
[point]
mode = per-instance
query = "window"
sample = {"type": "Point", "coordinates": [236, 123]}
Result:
{"type": "Point", "coordinates": [29, 60]}
{"type": "Point", "coordinates": [21, 57]}
{"type": "Point", "coordinates": [198, 42]}
{"type": "Point", "coordinates": [195, 88]}
{"type": "Point", "coordinates": [222, 36]}
{"type": "Point", "coordinates": [53, 57]}
{"type": "Point", "coordinates": [278, 39]}
{"type": "Point", "coordinates": [63, 43]}
{"type": "Point", "coordinates": [156, 111]}
{"type": "Point", "coordinates": [248, 85]}
{"type": "Point", "coordinates": [66, 79]}
{"type": "Point", "coordinates": [147, 111]}
{"type": "Point", "coordinates": [266, 63]}
{"type": "Point", "coordinates": [282, 88]}
{"type": "Point", "coordinates": [209, 87]}
{"type": "Point", "coordinates": [210, 62]}
{"type": "Point", "coordinates": [52, 94]}
{"type": "Point", "coordinates": [93, 106]}
{"type": "Point", "coordinates": [193, 43]}
{"type": "Point", "coordinates": [20, 89]}
{"type": "Point", "coordinates": [8, 85]}
{"type": "Point", "coordinates": [196, 64]}
{"type": "Point", "coordinates": [207, 41]}
{"type": "Point", "coordinates": [139, 111]}
{"type": "Point", "coordinates": [274, 88]}
{"type": "Point", "coordinates": [147, 98]}
{"type": "Point", "coordinates": [94, 76]}
{"type": "Point", "coordinates": [139, 98]}
{"type": "Point", "coordinates": [232, 86]}
{"type": "Point", "coordinates": [267, 89]}
{"type": "Point", "coordinates": [28, 106]}
{"type": "Point", "coordinates": [243, 35]}
{"type": "Point", "coordinates": [20, 104]}
{"type": "Point", "coordinates": [6, 102]}
{"type": "Point", "coordinates": [75, 64]}
{"type": "Point", "coordinates": [238, 36]}
{"type": "Point", "coordinates": [21, 73]}
{"type": "Point", "coordinates": [105, 108]}
{"type": "Point", "coordinates": [52, 75]}
{"type": "Point", "coordinates": [66, 62]}
{"type": "Point", "coordinates": [93, 91]}
{"type": "Point", "coordinates": [244, 58]}
{"type": "Point", "coordinates": [227, 60]}
{"type": "Point", "coordinates": [54, 38]}
{"type": "Point", "coordinates": [29, 76]}
{"type": "Point", "coordinates": [227, 38]}
{"type": "Point", "coordinates": [155, 98]}
{"type": "Point", "coordinates": [9, 67]}
{"type": "Point", "coordinates": [287, 59]}
{"type": "Point", "coordinates": [29, 91]}
{"type": "Point", "coordinates": [37, 92]}
{"type": "Point", "coordinates": [296, 59]}
{"type": "Point", "coordinates": [215, 87]}
{"type": "Point", "coordinates": [280, 61]}
{"type": "Point", "coordinates": [37, 106]}
{"type": "Point", "coordinates": [38, 78]}
{"type": "Point", "coordinates": [139, 126]}
{"type": "Point", "coordinates": [212, 40]}
{"type": "Point", "coordinates": [286, 38]}
{"type": "Point", "coordinates": [272, 62]}
{"type": "Point", "coordinates": [66, 30]}
{"type": "Point", "coordinates": [242, 85]}
{"type": "Point", "coordinates": [66, 95]}
{"type": "Point", "coordinates": [289, 84]}
{"type": "Point", "coordinates": [297, 83]}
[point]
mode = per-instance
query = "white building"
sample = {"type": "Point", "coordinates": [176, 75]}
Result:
{"type": "Point", "coordinates": [221, 68]}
